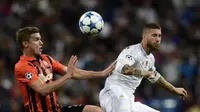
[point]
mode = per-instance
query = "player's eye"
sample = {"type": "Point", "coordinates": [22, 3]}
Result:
{"type": "Point", "coordinates": [37, 39]}
{"type": "Point", "coordinates": [154, 35]}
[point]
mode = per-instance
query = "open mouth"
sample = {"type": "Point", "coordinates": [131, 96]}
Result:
{"type": "Point", "coordinates": [40, 49]}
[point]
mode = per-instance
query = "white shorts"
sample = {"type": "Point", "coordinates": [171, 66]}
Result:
{"type": "Point", "coordinates": [114, 99]}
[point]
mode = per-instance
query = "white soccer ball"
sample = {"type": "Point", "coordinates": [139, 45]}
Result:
{"type": "Point", "coordinates": [91, 23]}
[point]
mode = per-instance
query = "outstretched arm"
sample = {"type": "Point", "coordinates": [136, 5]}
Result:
{"type": "Point", "coordinates": [85, 74]}
{"type": "Point", "coordinates": [165, 84]}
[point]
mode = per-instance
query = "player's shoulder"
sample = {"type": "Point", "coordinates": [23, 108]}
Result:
{"type": "Point", "coordinates": [132, 49]}
{"type": "Point", "coordinates": [151, 56]}
{"type": "Point", "coordinates": [21, 63]}
{"type": "Point", "coordinates": [21, 66]}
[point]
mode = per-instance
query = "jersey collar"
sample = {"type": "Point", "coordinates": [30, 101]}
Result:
{"type": "Point", "coordinates": [144, 52]}
{"type": "Point", "coordinates": [27, 58]}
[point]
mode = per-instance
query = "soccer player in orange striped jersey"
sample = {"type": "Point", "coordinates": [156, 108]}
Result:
{"type": "Point", "coordinates": [35, 71]}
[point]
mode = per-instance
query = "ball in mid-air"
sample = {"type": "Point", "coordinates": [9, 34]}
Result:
{"type": "Point", "coordinates": [91, 23]}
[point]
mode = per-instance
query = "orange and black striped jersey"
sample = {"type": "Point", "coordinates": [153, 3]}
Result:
{"type": "Point", "coordinates": [28, 70]}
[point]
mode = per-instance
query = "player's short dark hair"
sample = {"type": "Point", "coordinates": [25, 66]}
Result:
{"type": "Point", "coordinates": [152, 26]}
{"type": "Point", "coordinates": [23, 34]}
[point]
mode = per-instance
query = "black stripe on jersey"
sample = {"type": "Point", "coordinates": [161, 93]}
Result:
{"type": "Point", "coordinates": [42, 98]}
{"type": "Point", "coordinates": [30, 64]}
{"type": "Point", "coordinates": [29, 98]}
{"type": "Point", "coordinates": [27, 109]}
{"type": "Point", "coordinates": [51, 94]}
{"type": "Point", "coordinates": [52, 102]}
{"type": "Point", "coordinates": [33, 99]}
{"type": "Point", "coordinates": [43, 102]}
{"type": "Point", "coordinates": [49, 60]}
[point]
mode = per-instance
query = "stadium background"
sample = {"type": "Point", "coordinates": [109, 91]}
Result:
{"type": "Point", "coordinates": [177, 60]}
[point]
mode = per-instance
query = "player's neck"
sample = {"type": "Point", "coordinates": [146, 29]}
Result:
{"type": "Point", "coordinates": [146, 48]}
{"type": "Point", "coordinates": [28, 54]}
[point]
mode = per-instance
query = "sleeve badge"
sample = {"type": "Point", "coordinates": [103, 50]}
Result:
{"type": "Point", "coordinates": [29, 75]}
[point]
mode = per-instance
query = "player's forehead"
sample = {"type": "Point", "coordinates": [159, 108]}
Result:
{"type": "Point", "coordinates": [155, 31]}
{"type": "Point", "coordinates": [35, 35]}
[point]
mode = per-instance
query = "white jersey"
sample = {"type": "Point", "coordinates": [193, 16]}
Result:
{"type": "Point", "coordinates": [135, 56]}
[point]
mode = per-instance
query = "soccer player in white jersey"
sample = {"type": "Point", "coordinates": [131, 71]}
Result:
{"type": "Point", "coordinates": [134, 63]}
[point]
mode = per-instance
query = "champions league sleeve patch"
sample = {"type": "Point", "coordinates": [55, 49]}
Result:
{"type": "Point", "coordinates": [129, 57]}
{"type": "Point", "coordinates": [29, 75]}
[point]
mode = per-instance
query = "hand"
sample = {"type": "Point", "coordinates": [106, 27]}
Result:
{"type": "Point", "coordinates": [181, 92]}
{"type": "Point", "coordinates": [71, 66]}
{"type": "Point", "coordinates": [107, 71]}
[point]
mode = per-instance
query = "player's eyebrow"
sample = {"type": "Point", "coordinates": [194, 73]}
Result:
{"type": "Point", "coordinates": [36, 38]}
{"type": "Point", "coordinates": [156, 34]}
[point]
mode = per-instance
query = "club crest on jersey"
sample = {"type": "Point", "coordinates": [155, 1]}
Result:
{"type": "Point", "coordinates": [146, 64]}
{"type": "Point", "coordinates": [29, 75]}
{"type": "Point", "coordinates": [46, 78]}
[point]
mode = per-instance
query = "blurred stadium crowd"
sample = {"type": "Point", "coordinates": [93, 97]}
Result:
{"type": "Point", "coordinates": [178, 58]}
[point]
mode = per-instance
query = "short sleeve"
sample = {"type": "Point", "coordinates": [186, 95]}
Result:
{"type": "Point", "coordinates": [123, 60]}
{"type": "Point", "coordinates": [153, 69]}
{"type": "Point", "coordinates": [26, 74]}
{"type": "Point", "coordinates": [56, 66]}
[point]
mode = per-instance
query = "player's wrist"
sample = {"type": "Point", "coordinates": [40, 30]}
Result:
{"type": "Point", "coordinates": [173, 90]}
{"type": "Point", "coordinates": [68, 76]}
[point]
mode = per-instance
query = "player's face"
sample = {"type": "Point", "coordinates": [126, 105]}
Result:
{"type": "Point", "coordinates": [35, 44]}
{"type": "Point", "coordinates": [154, 39]}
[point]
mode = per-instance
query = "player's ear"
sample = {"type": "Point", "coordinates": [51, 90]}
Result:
{"type": "Point", "coordinates": [25, 43]}
{"type": "Point", "coordinates": [144, 36]}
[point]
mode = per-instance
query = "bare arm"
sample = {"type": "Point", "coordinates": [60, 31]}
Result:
{"type": "Point", "coordinates": [129, 70]}
{"type": "Point", "coordinates": [45, 89]}
{"type": "Point", "coordinates": [85, 74]}
{"type": "Point", "coordinates": [165, 84]}
{"type": "Point", "coordinates": [179, 91]}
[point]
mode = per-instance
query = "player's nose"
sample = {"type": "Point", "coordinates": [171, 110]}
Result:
{"type": "Point", "coordinates": [158, 40]}
{"type": "Point", "coordinates": [41, 43]}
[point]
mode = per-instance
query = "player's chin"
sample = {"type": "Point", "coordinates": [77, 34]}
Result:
{"type": "Point", "coordinates": [156, 48]}
{"type": "Point", "coordinates": [38, 53]}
